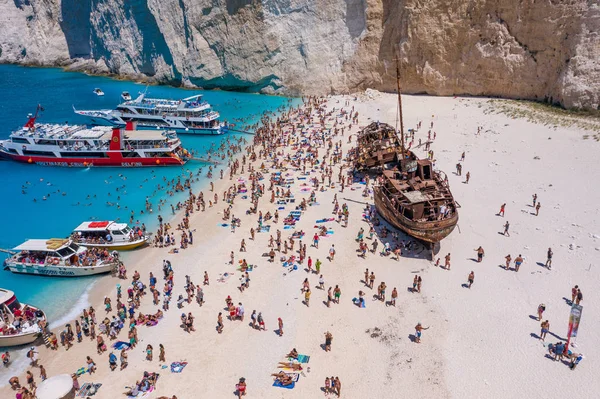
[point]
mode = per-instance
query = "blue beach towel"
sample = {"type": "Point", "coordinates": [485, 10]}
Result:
{"type": "Point", "coordinates": [177, 367]}
{"type": "Point", "coordinates": [303, 358]}
{"type": "Point", "coordinates": [119, 345]}
{"type": "Point", "coordinates": [278, 384]}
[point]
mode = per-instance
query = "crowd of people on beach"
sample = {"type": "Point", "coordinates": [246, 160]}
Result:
{"type": "Point", "coordinates": [303, 140]}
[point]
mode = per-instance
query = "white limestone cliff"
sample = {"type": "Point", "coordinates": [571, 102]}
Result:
{"type": "Point", "coordinates": [535, 49]}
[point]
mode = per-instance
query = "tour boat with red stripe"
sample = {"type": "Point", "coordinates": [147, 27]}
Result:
{"type": "Point", "coordinates": [82, 146]}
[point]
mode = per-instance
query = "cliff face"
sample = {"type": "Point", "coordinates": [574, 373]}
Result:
{"type": "Point", "coordinates": [536, 49]}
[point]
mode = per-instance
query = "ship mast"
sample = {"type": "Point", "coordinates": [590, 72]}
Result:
{"type": "Point", "coordinates": [400, 107]}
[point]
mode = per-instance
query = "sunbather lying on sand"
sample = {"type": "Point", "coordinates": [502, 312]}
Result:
{"type": "Point", "coordinates": [283, 378]}
{"type": "Point", "coordinates": [293, 354]}
{"type": "Point", "coordinates": [292, 365]}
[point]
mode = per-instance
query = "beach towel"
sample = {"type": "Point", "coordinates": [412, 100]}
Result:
{"type": "Point", "coordinates": [120, 345]}
{"type": "Point", "coordinates": [278, 384]}
{"type": "Point", "coordinates": [265, 229]}
{"type": "Point", "coordinates": [325, 220]}
{"type": "Point", "coordinates": [303, 358]}
{"type": "Point", "coordinates": [222, 224]}
{"type": "Point", "coordinates": [81, 371]}
{"type": "Point", "coordinates": [142, 394]}
{"type": "Point", "coordinates": [177, 367]}
{"type": "Point", "coordinates": [281, 208]}
{"type": "Point", "coordinates": [224, 277]}
{"type": "Point", "coordinates": [88, 389]}
{"type": "Point", "coordinates": [288, 227]}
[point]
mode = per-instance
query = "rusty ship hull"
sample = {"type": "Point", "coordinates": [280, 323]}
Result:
{"type": "Point", "coordinates": [429, 231]}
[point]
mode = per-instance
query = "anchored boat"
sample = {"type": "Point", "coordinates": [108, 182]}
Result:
{"type": "Point", "coordinates": [80, 146]}
{"type": "Point", "coordinates": [60, 257]}
{"type": "Point", "coordinates": [190, 115]}
{"type": "Point", "coordinates": [109, 235]}
{"type": "Point", "coordinates": [20, 324]}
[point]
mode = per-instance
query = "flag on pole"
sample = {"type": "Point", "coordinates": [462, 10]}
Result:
{"type": "Point", "coordinates": [574, 320]}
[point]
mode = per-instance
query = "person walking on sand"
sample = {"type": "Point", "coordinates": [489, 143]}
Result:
{"type": "Point", "coordinates": [534, 196]}
{"type": "Point", "coordinates": [367, 277]}
{"type": "Point", "coordinates": [480, 253]}
{"type": "Point", "coordinates": [371, 280]}
{"type": "Point", "coordinates": [328, 339]}
{"type": "Point", "coordinates": [545, 328]}
{"type": "Point", "coordinates": [502, 207]}
{"type": "Point", "coordinates": [468, 176]}
{"type": "Point", "coordinates": [332, 252]}
{"type": "Point", "coordinates": [161, 355]}
{"type": "Point", "coordinates": [381, 291]}
{"type": "Point", "coordinates": [307, 297]}
{"type": "Point", "coordinates": [549, 259]}
{"type": "Point", "coordinates": [206, 282]}
{"type": "Point", "coordinates": [471, 278]}
{"type": "Point", "coordinates": [508, 259]}
{"type": "Point", "coordinates": [261, 322]}
{"type": "Point", "coordinates": [394, 297]}
{"type": "Point", "coordinates": [280, 324]}
{"type": "Point", "coordinates": [419, 331]}
{"type": "Point", "coordinates": [506, 227]}
{"type": "Point", "coordinates": [540, 310]}
{"type": "Point", "coordinates": [518, 262]}
{"type": "Point", "coordinates": [537, 208]}
{"type": "Point", "coordinates": [316, 241]}
{"type": "Point", "coordinates": [579, 297]}
{"type": "Point", "coordinates": [220, 323]}
{"type": "Point", "coordinates": [574, 293]}
{"type": "Point", "coordinates": [447, 261]}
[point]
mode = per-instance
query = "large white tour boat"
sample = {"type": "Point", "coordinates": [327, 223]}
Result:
{"type": "Point", "coordinates": [78, 145]}
{"type": "Point", "coordinates": [20, 324]}
{"type": "Point", "coordinates": [109, 235]}
{"type": "Point", "coordinates": [61, 258]}
{"type": "Point", "coordinates": [190, 115]}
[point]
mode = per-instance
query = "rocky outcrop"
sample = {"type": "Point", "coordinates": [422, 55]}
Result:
{"type": "Point", "coordinates": [546, 50]}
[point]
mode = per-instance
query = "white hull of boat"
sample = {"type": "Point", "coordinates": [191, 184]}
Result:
{"type": "Point", "coordinates": [18, 339]}
{"type": "Point", "coordinates": [118, 245]}
{"type": "Point", "coordinates": [60, 271]}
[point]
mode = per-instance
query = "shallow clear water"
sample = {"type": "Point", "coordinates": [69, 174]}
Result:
{"type": "Point", "coordinates": [74, 195]}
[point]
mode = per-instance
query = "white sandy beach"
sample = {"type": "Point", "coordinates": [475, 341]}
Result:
{"type": "Point", "coordinates": [479, 344]}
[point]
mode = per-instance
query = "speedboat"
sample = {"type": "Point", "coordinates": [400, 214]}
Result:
{"type": "Point", "coordinates": [82, 146]}
{"type": "Point", "coordinates": [19, 323]}
{"type": "Point", "coordinates": [109, 235]}
{"type": "Point", "coordinates": [61, 258]}
{"type": "Point", "coordinates": [191, 115]}
{"type": "Point", "coordinates": [98, 92]}
{"type": "Point", "coordinates": [126, 96]}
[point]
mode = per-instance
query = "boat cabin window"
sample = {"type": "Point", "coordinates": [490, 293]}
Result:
{"type": "Point", "coordinates": [126, 230]}
{"type": "Point", "coordinates": [426, 172]}
{"type": "Point", "coordinates": [19, 140]}
{"type": "Point", "coordinates": [74, 247]}
{"type": "Point", "coordinates": [63, 252]}
{"type": "Point", "coordinates": [116, 232]}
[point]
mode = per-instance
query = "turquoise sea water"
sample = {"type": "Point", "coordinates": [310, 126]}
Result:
{"type": "Point", "coordinates": [75, 195]}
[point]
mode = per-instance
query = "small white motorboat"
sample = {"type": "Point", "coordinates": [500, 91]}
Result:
{"type": "Point", "coordinates": [61, 258]}
{"type": "Point", "coordinates": [19, 323]}
{"type": "Point", "coordinates": [98, 92]}
{"type": "Point", "coordinates": [109, 235]}
{"type": "Point", "coordinates": [126, 96]}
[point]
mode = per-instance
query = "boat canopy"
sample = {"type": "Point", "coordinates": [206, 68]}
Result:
{"type": "Point", "coordinates": [52, 244]}
{"type": "Point", "coordinates": [100, 226]}
{"type": "Point", "coordinates": [6, 295]}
